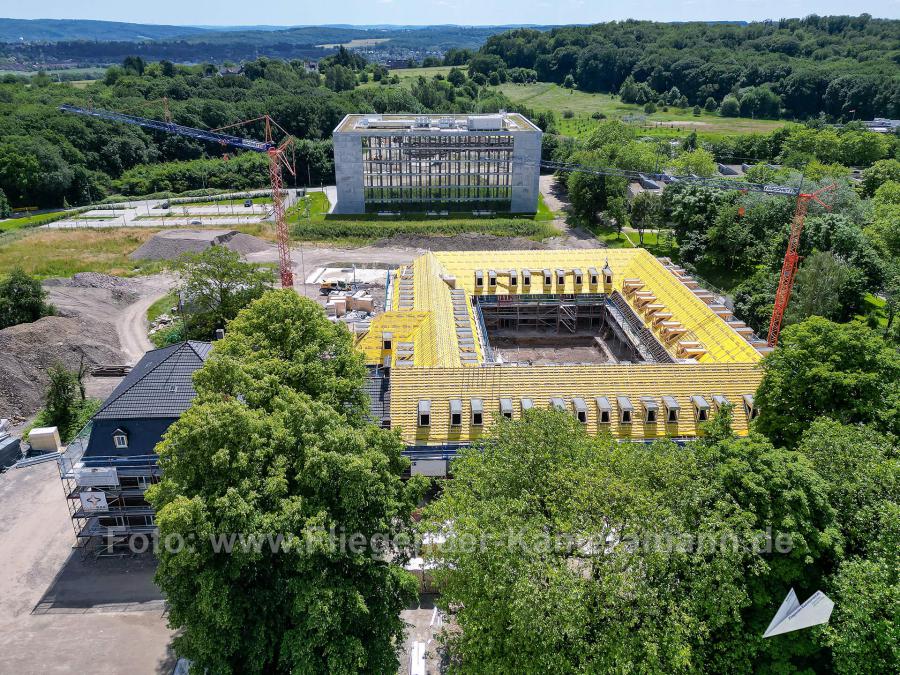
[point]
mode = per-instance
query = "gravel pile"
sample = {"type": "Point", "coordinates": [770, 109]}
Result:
{"type": "Point", "coordinates": [172, 244]}
{"type": "Point", "coordinates": [245, 243]}
{"type": "Point", "coordinates": [123, 290]}
{"type": "Point", "coordinates": [29, 349]}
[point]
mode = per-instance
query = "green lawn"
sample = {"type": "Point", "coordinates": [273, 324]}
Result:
{"type": "Point", "coordinates": [544, 96]}
{"type": "Point", "coordinates": [12, 224]}
{"type": "Point", "coordinates": [408, 75]}
{"type": "Point", "coordinates": [357, 230]}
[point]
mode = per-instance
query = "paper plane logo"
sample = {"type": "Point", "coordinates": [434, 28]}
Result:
{"type": "Point", "coordinates": [794, 616]}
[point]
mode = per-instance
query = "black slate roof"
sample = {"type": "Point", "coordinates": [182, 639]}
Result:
{"type": "Point", "coordinates": [159, 385]}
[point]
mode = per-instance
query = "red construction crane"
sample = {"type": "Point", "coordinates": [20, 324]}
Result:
{"type": "Point", "coordinates": [791, 260]}
{"type": "Point", "coordinates": [277, 159]}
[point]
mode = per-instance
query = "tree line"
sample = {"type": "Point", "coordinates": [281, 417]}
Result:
{"type": "Point", "coordinates": [843, 66]}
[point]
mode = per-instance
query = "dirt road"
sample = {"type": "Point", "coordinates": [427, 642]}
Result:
{"type": "Point", "coordinates": [131, 326]}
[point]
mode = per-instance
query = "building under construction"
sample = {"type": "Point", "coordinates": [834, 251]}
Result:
{"type": "Point", "coordinates": [627, 343]}
{"type": "Point", "coordinates": [431, 163]}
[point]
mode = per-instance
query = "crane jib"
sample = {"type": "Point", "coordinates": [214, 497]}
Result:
{"type": "Point", "coordinates": [170, 127]}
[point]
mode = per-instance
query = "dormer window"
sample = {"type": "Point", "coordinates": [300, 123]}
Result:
{"type": "Point", "coordinates": [424, 413]}
{"type": "Point", "coordinates": [120, 438]}
{"type": "Point", "coordinates": [477, 412]}
{"type": "Point", "coordinates": [607, 274]}
{"type": "Point", "coordinates": [526, 277]}
{"type": "Point", "coordinates": [650, 409]}
{"type": "Point", "coordinates": [750, 407]}
{"type": "Point", "coordinates": [672, 409]}
{"type": "Point", "coordinates": [626, 409]}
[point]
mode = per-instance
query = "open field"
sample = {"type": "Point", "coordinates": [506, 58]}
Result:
{"type": "Point", "coordinates": [412, 73]}
{"type": "Point", "coordinates": [62, 253]}
{"type": "Point", "coordinates": [358, 42]}
{"type": "Point", "coordinates": [544, 96]}
{"type": "Point", "coordinates": [408, 75]}
{"type": "Point", "coordinates": [11, 224]}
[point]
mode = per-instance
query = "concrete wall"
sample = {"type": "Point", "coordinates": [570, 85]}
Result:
{"type": "Point", "coordinates": [348, 170]}
{"type": "Point", "coordinates": [526, 172]}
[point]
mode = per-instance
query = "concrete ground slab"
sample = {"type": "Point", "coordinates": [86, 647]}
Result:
{"type": "Point", "coordinates": [59, 614]}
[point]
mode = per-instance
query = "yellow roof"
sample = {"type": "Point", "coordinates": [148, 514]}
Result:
{"type": "Point", "coordinates": [434, 275]}
{"type": "Point", "coordinates": [436, 343]}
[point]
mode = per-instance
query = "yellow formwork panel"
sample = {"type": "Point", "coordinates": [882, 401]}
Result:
{"type": "Point", "coordinates": [542, 383]}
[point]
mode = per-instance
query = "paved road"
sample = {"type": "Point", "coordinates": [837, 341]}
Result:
{"type": "Point", "coordinates": [134, 214]}
{"type": "Point", "coordinates": [101, 619]}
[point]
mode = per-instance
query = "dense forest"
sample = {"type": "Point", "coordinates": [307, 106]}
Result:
{"type": "Point", "coordinates": [846, 67]}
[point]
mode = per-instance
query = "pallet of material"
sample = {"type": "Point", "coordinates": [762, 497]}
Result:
{"type": "Point", "coordinates": [111, 371]}
{"type": "Point", "coordinates": [10, 451]}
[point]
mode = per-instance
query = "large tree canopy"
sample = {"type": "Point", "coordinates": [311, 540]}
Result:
{"type": "Point", "coordinates": [276, 449]}
{"type": "Point", "coordinates": [567, 553]}
{"type": "Point", "coordinates": [843, 371]}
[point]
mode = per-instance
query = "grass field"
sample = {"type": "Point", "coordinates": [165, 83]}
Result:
{"type": "Point", "coordinates": [24, 222]}
{"type": "Point", "coordinates": [407, 75]}
{"type": "Point", "coordinates": [544, 96]}
{"type": "Point", "coordinates": [364, 229]}
{"type": "Point", "coordinates": [62, 253]}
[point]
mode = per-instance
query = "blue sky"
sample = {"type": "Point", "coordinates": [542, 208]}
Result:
{"type": "Point", "coordinates": [468, 12]}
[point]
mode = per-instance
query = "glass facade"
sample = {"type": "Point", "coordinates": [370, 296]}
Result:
{"type": "Point", "coordinates": [437, 171]}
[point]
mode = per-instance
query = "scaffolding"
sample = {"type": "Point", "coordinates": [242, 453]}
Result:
{"type": "Point", "coordinates": [105, 496]}
{"type": "Point", "coordinates": [607, 317]}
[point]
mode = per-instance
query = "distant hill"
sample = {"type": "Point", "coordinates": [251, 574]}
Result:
{"type": "Point", "coordinates": [31, 44]}
{"type": "Point", "coordinates": [55, 30]}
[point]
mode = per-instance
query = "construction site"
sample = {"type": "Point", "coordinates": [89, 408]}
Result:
{"type": "Point", "coordinates": [629, 344]}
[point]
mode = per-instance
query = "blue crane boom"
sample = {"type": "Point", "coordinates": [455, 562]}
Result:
{"type": "Point", "coordinates": [190, 132]}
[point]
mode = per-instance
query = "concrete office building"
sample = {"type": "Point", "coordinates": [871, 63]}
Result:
{"type": "Point", "coordinates": [387, 163]}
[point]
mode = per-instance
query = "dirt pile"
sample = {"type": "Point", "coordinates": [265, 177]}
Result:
{"type": "Point", "coordinates": [459, 242]}
{"type": "Point", "coordinates": [29, 349]}
{"type": "Point", "coordinates": [171, 244]}
{"type": "Point", "coordinates": [122, 289]}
